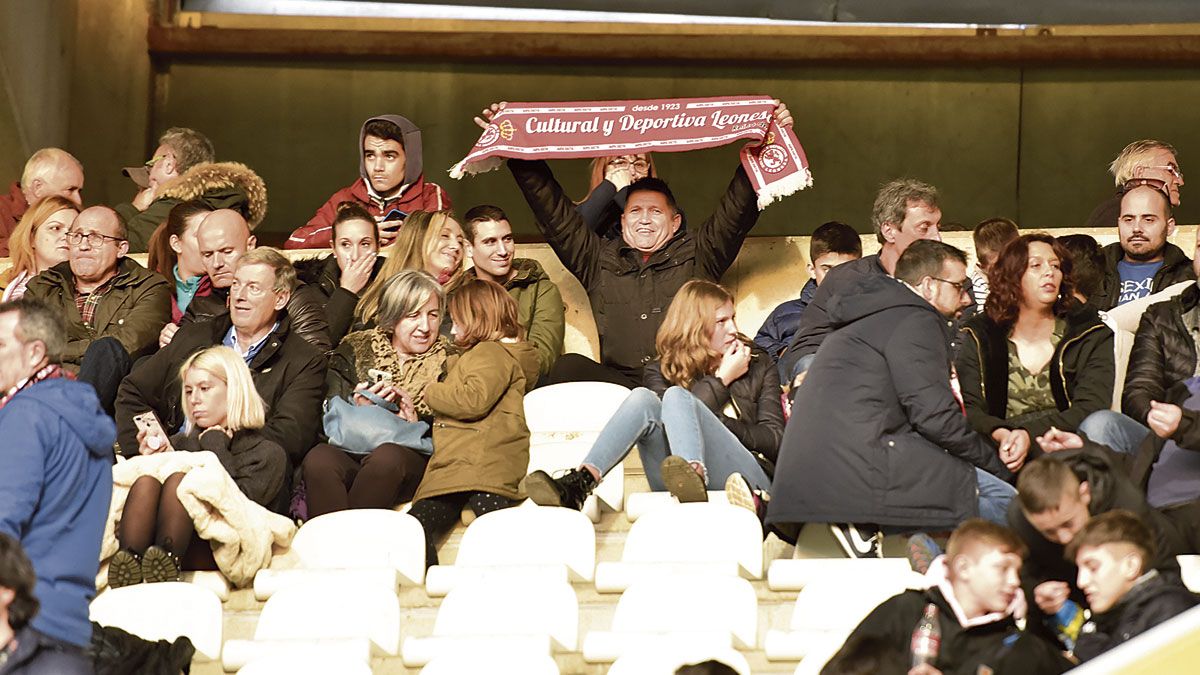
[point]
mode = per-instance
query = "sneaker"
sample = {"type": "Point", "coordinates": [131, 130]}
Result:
{"type": "Point", "coordinates": [852, 541]}
{"type": "Point", "coordinates": [922, 549]}
{"type": "Point", "coordinates": [159, 564]}
{"type": "Point", "coordinates": [739, 493]}
{"type": "Point", "coordinates": [124, 569]}
{"type": "Point", "coordinates": [569, 490]}
{"type": "Point", "coordinates": [682, 480]}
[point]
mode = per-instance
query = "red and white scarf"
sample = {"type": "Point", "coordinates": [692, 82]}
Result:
{"type": "Point", "coordinates": [774, 161]}
{"type": "Point", "coordinates": [48, 373]}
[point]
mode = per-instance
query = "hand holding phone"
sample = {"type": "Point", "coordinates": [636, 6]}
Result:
{"type": "Point", "coordinates": [151, 437]}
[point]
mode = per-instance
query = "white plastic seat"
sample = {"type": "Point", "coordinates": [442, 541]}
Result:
{"type": "Point", "coordinates": [665, 661]}
{"type": "Point", "coordinates": [833, 604]}
{"type": "Point", "coordinates": [538, 540]}
{"type": "Point", "coordinates": [685, 611]}
{"type": "Point", "coordinates": [1189, 567]}
{"type": "Point", "coordinates": [493, 663]}
{"type": "Point", "coordinates": [531, 617]}
{"type": "Point", "coordinates": [572, 408]}
{"type": "Point", "coordinates": [707, 537]}
{"type": "Point", "coordinates": [308, 662]}
{"type": "Point", "coordinates": [794, 574]}
{"type": "Point", "coordinates": [384, 541]}
{"type": "Point", "coordinates": [639, 504]}
{"type": "Point", "coordinates": [164, 611]}
{"type": "Point", "coordinates": [339, 612]}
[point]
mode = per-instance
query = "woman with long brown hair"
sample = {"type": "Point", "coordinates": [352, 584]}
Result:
{"type": "Point", "coordinates": [720, 414]}
{"type": "Point", "coordinates": [1035, 358]}
{"type": "Point", "coordinates": [430, 241]}
{"type": "Point", "coordinates": [174, 253]}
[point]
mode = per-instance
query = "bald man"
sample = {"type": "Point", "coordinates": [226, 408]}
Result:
{"type": "Point", "coordinates": [223, 236]}
{"type": "Point", "coordinates": [49, 171]}
{"type": "Point", "coordinates": [114, 307]}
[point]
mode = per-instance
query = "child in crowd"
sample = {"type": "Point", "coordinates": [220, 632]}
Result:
{"type": "Point", "coordinates": [480, 441]}
{"type": "Point", "coordinates": [1127, 597]}
{"type": "Point", "coordinates": [974, 600]}
{"type": "Point", "coordinates": [17, 603]}
{"type": "Point", "coordinates": [719, 420]}
{"type": "Point", "coordinates": [224, 415]}
{"type": "Point", "coordinates": [831, 245]}
{"type": "Point", "coordinates": [990, 236]}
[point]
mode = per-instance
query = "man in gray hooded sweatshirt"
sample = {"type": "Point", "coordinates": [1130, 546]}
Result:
{"type": "Point", "coordinates": [391, 184]}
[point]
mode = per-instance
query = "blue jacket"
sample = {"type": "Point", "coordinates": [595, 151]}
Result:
{"type": "Point", "coordinates": [55, 488]}
{"type": "Point", "coordinates": [779, 328]}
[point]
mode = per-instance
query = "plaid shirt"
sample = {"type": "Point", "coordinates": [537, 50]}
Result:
{"type": "Point", "coordinates": [88, 302]}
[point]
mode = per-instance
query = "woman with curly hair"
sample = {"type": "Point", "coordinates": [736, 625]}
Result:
{"type": "Point", "coordinates": [1035, 358]}
{"type": "Point", "coordinates": [710, 409]}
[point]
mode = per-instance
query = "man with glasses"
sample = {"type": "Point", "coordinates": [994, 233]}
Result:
{"type": "Point", "coordinates": [179, 149]}
{"type": "Point", "coordinates": [1146, 158]}
{"type": "Point", "coordinates": [114, 307]}
{"type": "Point", "coordinates": [289, 373]}
{"type": "Point", "coordinates": [877, 436]}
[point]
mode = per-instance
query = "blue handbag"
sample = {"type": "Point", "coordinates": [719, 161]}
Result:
{"type": "Point", "coordinates": [359, 429]}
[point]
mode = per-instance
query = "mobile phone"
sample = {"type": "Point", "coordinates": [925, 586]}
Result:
{"type": "Point", "coordinates": [148, 422]}
{"type": "Point", "coordinates": [376, 376]}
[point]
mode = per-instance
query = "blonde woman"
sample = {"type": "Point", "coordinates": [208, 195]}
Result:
{"type": "Point", "coordinates": [430, 241]}
{"type": "Point", "coordinates": [224, 414]}
{"type": "Point", "coordinates": [710, 409]}
{"type": "Point", "coordinates": [38, 243]}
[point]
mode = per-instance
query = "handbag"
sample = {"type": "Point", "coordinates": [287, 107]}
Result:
{"type": "Point", "coordinates": [359, 429]}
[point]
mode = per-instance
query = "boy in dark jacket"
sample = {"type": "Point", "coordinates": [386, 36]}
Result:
{"type": "Point", "coordinates": [1113, 553]}
{"type": "Point", "coordinates": [974, 597]}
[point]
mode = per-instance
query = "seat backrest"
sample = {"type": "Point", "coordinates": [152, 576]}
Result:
{"type": "Point", "coordinates": [332, 610]}
{"type": "Point", "coordinates": [531, 535]}
{"type": "Point", "coordinates": [572, 406]}
{"type": "Point", "coordinates": [689, 602]}
{"type": "Point", "coordinates": [697, 532]}
{"type": "Point", "coordinates": [164, 611]}
{"type": "Point", "coordinates": [838, 601]}
{"type": "Point", "coordinates": [492, 664]}
{"type": "Point", "coordinates": [665, 659]}
{"type": "Point", "coordinates": [362, 538]}
{"type": "Point", "coordinates": [306, 664]}
{"type": "Point", "coordinates": [479, 608]}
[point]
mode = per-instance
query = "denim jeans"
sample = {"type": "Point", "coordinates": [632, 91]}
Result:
{"type": "Point", "coordinates": [680, 424]}
{"type": "Point", "coordinates": [1119, 432]}
{"type": "Point", "coordinates": [994, 497]}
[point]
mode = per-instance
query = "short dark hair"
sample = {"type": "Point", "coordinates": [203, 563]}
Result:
{"type": "Point", "coordinates": [1043, 482]}
{"type": "Point", "coordinates": [1087, 262]}
{"type": "Point", "coordinates": [16, 573]}
{"type": "Point", "coordinates": [992, 235]}
{"type": "Point", "coordinates": [652, 184]}
{"type": "Point", "coordinates": [864, 654]}
{"type": "Point", "coordinates": [481, 214]}
{"type": "Point", "coordinates": [351, 210]}
{"type": "Point", "coordinates": [380, 128]}
{"type": "Point", "coordinates": [926, 258]}
{"type": "Point", "coordinates": [709, 667]}
{"type": "Point", "coordinates": [1115, 527]}
{"type": "Point", "coordinates": [36, 321]}
{"type": "Point", "coordinates": [834, 237]}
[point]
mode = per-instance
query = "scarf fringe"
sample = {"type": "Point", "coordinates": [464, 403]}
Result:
{"type": "Point", "coordinates": [777, 190]}
{"type": "Point", "coordinates": [463, 168]}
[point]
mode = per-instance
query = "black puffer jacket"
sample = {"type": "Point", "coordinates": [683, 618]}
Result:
{"type": "Point", "coordinates": [629, 296]}
{"type": "Point", "coordinates": [324, 278]}
{"type": "Point", "coordinates": [1081, 372]}
{"type": "Point", "coordinates": [756, 400]}
{"type": "Point", "coordinates": [1176, 267]}
{"type": "Point", "coordinates": [305, 308]}
{"type": "Point", "coordinates": [1163, 354]}
{"type": "Point", "coordinates": [1155, 598]}
{"type": "Point", "coordinates": [255, 463]}
{"type": "Point", "coordinates": [876, 435]}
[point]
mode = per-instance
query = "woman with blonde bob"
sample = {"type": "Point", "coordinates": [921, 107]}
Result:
{"type": "Point", "coordinates": [224, 414]}
{"type": "Point", "coordinates": [710, 413]}
{"type": "Point", "coordinates": [38, 243]}
{"type": "Point", "coordinates": [480, 441]}
{"type": "Point", "coordinates": [430, 241]}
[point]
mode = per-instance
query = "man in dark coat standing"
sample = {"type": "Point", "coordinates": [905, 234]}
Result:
{"type": "Point", "coordinates": [877, 435]}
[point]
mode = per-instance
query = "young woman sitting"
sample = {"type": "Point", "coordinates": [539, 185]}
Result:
{"type": "Point", "coordinates": [38, 243]}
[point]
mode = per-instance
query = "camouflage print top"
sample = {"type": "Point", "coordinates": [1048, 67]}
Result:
{"type": "Point", "coordinates": [1029, 393]}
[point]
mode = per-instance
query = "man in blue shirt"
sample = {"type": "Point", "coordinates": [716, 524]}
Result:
{"type": "Point", "coordinates": [1143, 262]}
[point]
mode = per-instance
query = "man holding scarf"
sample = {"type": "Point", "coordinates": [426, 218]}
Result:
{"type": "Point", "coordinates": [631, 281]}
{"type": "Point", "coordinates": [56, 483]}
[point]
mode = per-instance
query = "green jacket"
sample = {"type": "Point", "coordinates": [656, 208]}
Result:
{"type": "Point", "coordinates": [540, 310]}
{"type": "Point", "coordinates": [133, 311]}
{"type": "Point", "coordinates": [480, 441]}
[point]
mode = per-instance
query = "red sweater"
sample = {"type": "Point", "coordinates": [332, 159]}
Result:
{"type": "Point", "coordinates": [12, 207]}
{"type": "Point", "coordinates": [318, 233]}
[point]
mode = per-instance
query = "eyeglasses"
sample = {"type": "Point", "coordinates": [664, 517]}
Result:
{"type": "Point", "coordinates": [1171, 169]}
{"type": "Point", "coordinates": [154, 160]}
{"type": "Point", "coordinates": [964, 286]}
{"type": "Point", "coordinates": [635, 164]}
{"type": "Point", "coordinates": [94, 239]}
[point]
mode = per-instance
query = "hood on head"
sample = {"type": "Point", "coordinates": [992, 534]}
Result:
{"type": "Point", "coordinates": [222, 185]}
{"type": "Point", "coordinates": [76, 404]}
{"type": "Point", "coordinates": [412, 148]}
{"type": "Point", "coordinates": [871, 294]}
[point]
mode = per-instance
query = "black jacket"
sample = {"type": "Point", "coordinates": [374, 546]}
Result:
{"type": "Point", "coordinates": [324, 278]}
{"type": "Point", "coordinates": [1163, 354]}
{"type": "Point", "coordinates": [257, 464]}
{"type": "Point", "coordinates": [815, 324]}
{"type": "Point", "coordinates": [1111, 488]}
{"type": "Point", "coordinates": [755, 397]}
{"type": "Point", "coordinates": [1154, 599]}
{"type": "Point", "coordinates": [999, 646]}
{"type": "Point", "coordinates": [876, 435]}
{"type": "Point", "coordinates": [1176, 267]}
{"type": "Point", "coordinates": [305, 307]}
{"type": "Point", "coordinates": [1081, 372]}
{"type": "Point", "coordinates": [629, 297]}
{"type": "Point", "coordinates": [289, 374]}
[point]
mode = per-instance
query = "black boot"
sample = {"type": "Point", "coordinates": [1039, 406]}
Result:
{"type": "Point", "coordinates": [124, 569]}
{"type": "Point", "coordinates": [159, 564]}
{"type": "Point", "coordinates": [569, 490]}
